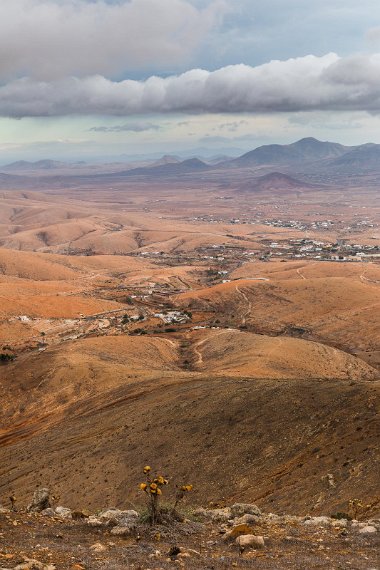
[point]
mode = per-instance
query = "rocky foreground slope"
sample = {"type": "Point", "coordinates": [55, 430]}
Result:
{"type": "Point", "coordinates": [240, 536]}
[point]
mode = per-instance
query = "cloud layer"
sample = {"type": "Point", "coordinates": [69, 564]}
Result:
{"type": "Point", "coordinates": [130, 127]}
{"type": "Point", "coordinates": [49, 39]}
{"type": "Point", "coordinates": [302, 84]}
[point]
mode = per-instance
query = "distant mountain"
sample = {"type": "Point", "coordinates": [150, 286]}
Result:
{"type": "Point", "coordinates": [310, 157]}
{"type": "Point", "coordinates": [313, 149]}
{"type": "Point", "coordinates": [19, 165]}
{"type": "Point", "coordinates": [307, 149]}
{"type": "Point", "coordinates": [166, 159]}
{"type": "Point", "coordinates": [267, 154]}
{"type": "Point", "coordinates": [361, 159]}
{"type": "Point", "coordinates": [273, 181]}
{"type": "Point", "coordinates": [203, 153]}
{"type": "Point", "coordinates": [187, 166]}
{"type": "Point", "coordinates": [39, 165]}
{"type": "Point", "coordinates": [218, 159]}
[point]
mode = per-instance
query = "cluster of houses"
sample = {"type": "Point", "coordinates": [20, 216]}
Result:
{"type": "Point", "coordinates": [316, 249]}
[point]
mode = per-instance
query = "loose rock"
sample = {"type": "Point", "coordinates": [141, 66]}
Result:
{"type": "Point", "coordinates": [240, 509]}
{"type": "Point", "coordinates": [214, 515]}
{"type": "Point", "coordinates": [236, 531]}
{"type": "Point", "coordinates": [94, 521]}
{"type": "Point", "coordinates": [31, 564]}
{"type": "Point", "coordinates": [116, 517]}
{"type": "Point", "coordinates": [247, 519]}
{"type": "Point", "coordinates": [83, 514]}
{"type": "Point", "coordinates": [250, 541]}
{"type": "Point", "coordinates": [41, 500]}
{"type": "Point", "coordinates": [367, 530]}
{"type": "Point", "coordinates": [48, 512]}
{"type": "Point", "coordinates": [323, 521]}
{"type": "Point", "coordinates": [122, 530]}
{"type": "Point", "coordinates": [98, 547]}
{"type": "Point", "coordinates": [63, 512]}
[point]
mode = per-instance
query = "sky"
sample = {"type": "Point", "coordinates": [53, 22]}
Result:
{"type": "Point", "coordinates": [104, 80]}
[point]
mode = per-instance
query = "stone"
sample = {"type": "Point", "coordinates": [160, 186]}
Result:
{"type": "Point", "coordinates": [63, 512]}
{"type": "Point", "coordinates": [236, 531]}
{"type": "Point", "coordinates": [48, 512]}
{"type": "Point", "coordinates": [368, 529]}
{"type": "Point", "coordinates": [186, 552]}
{"type": "Point", "coordinates": [94, 521]}
{"type": "Point", "coordinates": [82, 514]}
{"type": "Point", "coordinates": [341, 523]}
{"type": "Point", "coordinates": [322, 521]}
{"type": "Point", "coordinates": [250, 541]}
{"type": "Point", "coordinates": [41, 500]}
{"type": "Point", "coordinates": [240, 509]}
{"type": "Point", "coordinates": [122, 530]}
{"type": "Point", "coordinates": [31, 564]}
{"type": "Point", "coordinates": [98, 547]}
{"type": "Point", "coordinates": [214, 515]}
{"type": "Point", "coordinates": [116, 517]}
{"type": "Point", "coordinates": [247, 519]}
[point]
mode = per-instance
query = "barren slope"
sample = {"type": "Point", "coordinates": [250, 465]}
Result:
{"type": "Point", "coordinates": [94, 411]}
{"type": "Point", "coordinates": [338, 311]}
{"type": "Point", "coordinates": [234, 353]}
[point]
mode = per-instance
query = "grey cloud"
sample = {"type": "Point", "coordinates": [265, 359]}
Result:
{"type": "Point", "coordinates": [236, 140]}
{"type": "Point", "coordinates": [321, 121]}
{"type": "Point", "coordinates": [50, 39]}
{"type": "Point", "coordinates": [373, 34]}
{"type": "Point", "coordinates": [132, 127]}
{"type": "Point", "coordinates": [257, 32]}
{"type": "Point", "coordinates": [303, 84]}
{"type": "Point", "coordinates": [232, 126]}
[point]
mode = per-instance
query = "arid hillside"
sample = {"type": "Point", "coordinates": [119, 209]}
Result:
{"type": "Point", "coordinates": [100, 408]}
{"type": "Point", "coordinates": [339, 311]}
{"type": "Point", "coordinates": [232, 342]}
{"type": "Point", "coordinates": [231, 352]}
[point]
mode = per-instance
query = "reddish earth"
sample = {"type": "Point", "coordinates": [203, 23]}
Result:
{"type": "Point", "coordinates": [272, 399]}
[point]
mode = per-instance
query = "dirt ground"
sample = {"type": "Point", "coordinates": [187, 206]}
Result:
{"type": "Point", "coordinates": [69, 545]}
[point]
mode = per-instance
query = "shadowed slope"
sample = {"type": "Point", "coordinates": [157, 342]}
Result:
{"type": "Point", "coordinates": [84, 417]}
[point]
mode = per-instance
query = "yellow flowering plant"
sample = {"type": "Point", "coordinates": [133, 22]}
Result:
{"type": "Point", "coordinates": [152, 487]}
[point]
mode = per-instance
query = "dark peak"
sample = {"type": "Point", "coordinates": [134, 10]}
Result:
{"type": "Point", "coordinates": [166, 159]}
{"type": "Point", "coordinates": [309, 140]}
{"type": "Point", "coordinates": [169, 157]}
{"type": "Point", "coordinates": [196, 162]}
{"type": "Point", "coordinates": [43, 164]}
{"type": "Point", "coordinates": [279, 178]}
{"type": "Point", "coordinates": [18, 164]}
{"type": "Point", "coordinates": [274, 181]}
